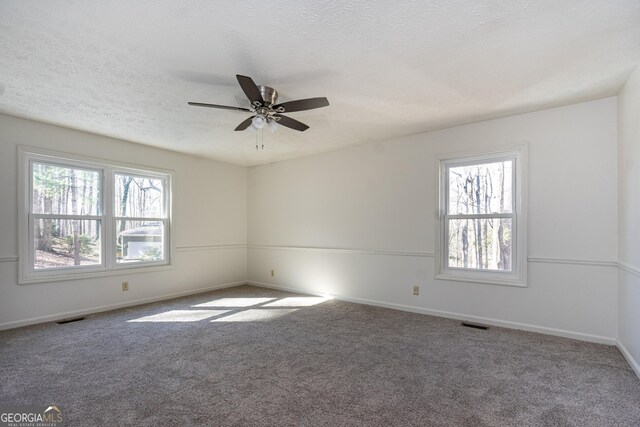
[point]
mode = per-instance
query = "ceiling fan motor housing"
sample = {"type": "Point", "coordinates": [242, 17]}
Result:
{"type": "Point", "coordinates": [269, 94]}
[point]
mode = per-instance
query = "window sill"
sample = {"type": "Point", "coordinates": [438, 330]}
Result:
{"type": "Point", "coordinates": [482, 278]}
{"type": "Point", "coordinates": [118, 271]}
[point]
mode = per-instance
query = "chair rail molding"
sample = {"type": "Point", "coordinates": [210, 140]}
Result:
{"type": "Point", "coordinates": [8, 258]}
{"type": "Point", "coordinates": [383, 252]}
{"type": "Point", "coordinates": [190, 248]}
{"type": "Point", "coordinates": [631, 269]}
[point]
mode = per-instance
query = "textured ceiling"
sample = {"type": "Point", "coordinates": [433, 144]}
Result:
{"type": "Point", "coordinates": [127, 68]}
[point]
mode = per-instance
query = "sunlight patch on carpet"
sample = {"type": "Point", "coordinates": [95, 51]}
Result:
{"type": "Point", "coordinates": [234, 302]}
{"type": "Point", "coordinates": [180, 316]}
{"type": "Point", "coordinates": [297, 302]}
{"type": "Point", "coordinates": [258, 315]}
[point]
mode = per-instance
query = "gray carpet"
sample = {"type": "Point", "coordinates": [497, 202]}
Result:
{"type": "Point", "coordinates": [221, 358]}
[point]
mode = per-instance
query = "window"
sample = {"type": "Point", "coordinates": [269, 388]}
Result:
{"type": "Point", "coordinates": [482, 221]}
{"type": "Point", "coordinates": [140, 218]}
{"type": "Point", "coordinates": [84, 217]}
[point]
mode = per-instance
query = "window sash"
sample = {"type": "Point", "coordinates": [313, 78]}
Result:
{"type": "Point", "coordinates": [141, 174]}
{"type": "Point", "coordinates": [514, 243]}
{"type": "Point", "coordinates": [165, 243]}
{"type": "Point", "coordinates": [56, 270]}
{"type": "Point", "coordinates": [68, 164]}
{"type": "Point", "coordinates": [456, 164]}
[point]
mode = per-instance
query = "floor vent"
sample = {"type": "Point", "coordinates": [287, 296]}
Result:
{"type": "Point", "coordinates": [75, 319]}
{"type": "Point", "coordinates": [474, 325]}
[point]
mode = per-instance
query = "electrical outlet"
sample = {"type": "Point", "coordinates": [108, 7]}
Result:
{"type": "Point", "coordinates": [416, 290]}
{"type": "Point", "coordinates": [125, 286]}
{"type": "Point", "coordinates": [273, 273]}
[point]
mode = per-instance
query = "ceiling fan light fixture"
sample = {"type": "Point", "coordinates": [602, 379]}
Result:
{"type": "Point", "coordinates": [273, 124]}
{"type": "Point", "coordinates": [258, 121]}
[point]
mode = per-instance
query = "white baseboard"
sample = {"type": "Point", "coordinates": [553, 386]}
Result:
{"type": "Point", "coordinates": [634, 365]}
{"type": "Point", "coordinates": [457, 316]}
{"type": "Point", "coordinates": [288, 289]}
{"type": "Point", "coordinates": [101, 308]}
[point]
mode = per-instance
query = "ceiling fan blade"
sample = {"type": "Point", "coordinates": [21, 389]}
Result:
{"type": "Point", "coordinates": [302, 104]}
{"type": "Point", "coordinates": [250, 89]}
{"type": "Point", "coordinates": [224, 107]}
{"type": "Point", "coordinates": [245, 124]}
{"type": "Point", "coordinates": [291, 123]}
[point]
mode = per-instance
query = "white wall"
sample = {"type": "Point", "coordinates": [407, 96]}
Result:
{"type": "Point", "coordinates": [209, 227]}
{"type": "Point", "coordinates": [360, 223]}
{"type": "Point", "coordinates": [629, 219]}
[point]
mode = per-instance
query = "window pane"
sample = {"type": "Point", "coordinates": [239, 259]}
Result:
{"type": "Point", "coordinates": [139, 241]}
{"type": "Point", "coordinates": [480, 244]}
{"type": "Point", "coordinates": [481, 189]}
{"type": "Point", "coordinates": [66, 243]}
{"type": "Point", "coordinates": [65, 191]}
{"type": "Point", "coordinates": [139, 197]}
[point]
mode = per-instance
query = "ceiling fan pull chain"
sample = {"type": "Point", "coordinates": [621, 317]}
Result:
{"type": "Point", "coordinates": [259, 138]}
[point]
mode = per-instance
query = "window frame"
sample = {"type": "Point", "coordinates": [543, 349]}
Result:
{"type": "Point", "coordinates": [27, 156]}
{"type": "Point", "coordinates": [518, 274]}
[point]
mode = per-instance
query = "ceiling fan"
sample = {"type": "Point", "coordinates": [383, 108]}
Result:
{"type": "Point", "coordinates": [266, 111]}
